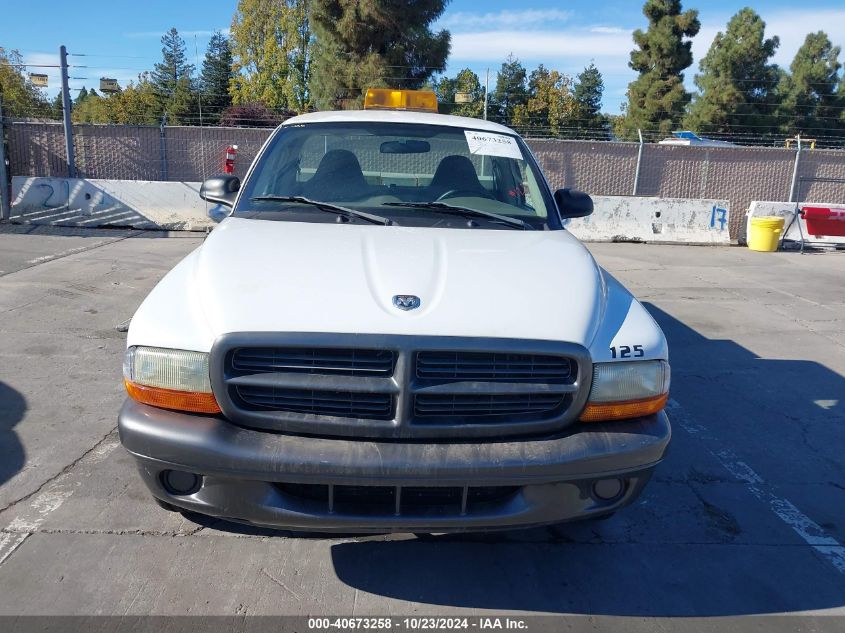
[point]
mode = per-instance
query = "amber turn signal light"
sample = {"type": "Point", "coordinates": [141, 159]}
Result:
{"type": "Point", "coordinates": [194, 402]}
{"type": "Point", "coordinates": [608, 411]}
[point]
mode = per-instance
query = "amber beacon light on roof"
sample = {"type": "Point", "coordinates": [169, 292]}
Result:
{"type": "Point", "coordinates": [389, 99]}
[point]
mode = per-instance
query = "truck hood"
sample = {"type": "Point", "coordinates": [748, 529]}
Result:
{"type": "Point", "coordinates": [266, 276]}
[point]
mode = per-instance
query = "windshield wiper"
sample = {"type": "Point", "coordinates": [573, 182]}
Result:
{"type": "Point", "coordinates": [326, 206]}
{"type": "Point", "coordinates": [465, 211]}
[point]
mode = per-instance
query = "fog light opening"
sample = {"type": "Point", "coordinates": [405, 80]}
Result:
{"type": "Point", "coordinates": [608, 489]}
{"type": "Point", "coordinates": [180, 483]}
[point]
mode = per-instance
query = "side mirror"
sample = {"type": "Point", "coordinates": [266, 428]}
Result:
{"type": "Point", "coordinates": [221, 189]}
{"type": "Point", "coordinates": [573, 204]}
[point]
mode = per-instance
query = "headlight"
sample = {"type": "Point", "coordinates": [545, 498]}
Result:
{"type": "Point", "coordinates": [624, 390]}
{"type": "Point", "coordinates": [169, 378]}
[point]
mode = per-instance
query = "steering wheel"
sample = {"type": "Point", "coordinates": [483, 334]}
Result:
{"type": "Point", "coordinates": [457, 193]}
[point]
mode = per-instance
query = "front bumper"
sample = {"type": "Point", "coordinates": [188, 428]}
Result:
{"type": "Point", "coordinates": [249, 475]}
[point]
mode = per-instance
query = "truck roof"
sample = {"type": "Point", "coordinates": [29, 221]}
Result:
{"type": "Point", "coordinates": [398, 116]}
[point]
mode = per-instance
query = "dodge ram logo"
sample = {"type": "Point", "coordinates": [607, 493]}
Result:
{"type": "Point", "coordinates": [406, 302]}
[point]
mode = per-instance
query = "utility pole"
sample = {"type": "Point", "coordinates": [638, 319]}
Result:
{"type": "Point", "coordinates": [71, 161]}
{"type": "Point", "coordinates": [795, 186]}
{"type": "Point", "coordinates": [5, 209]}
{"type": "Point", "coordinates": [486, 92]}
{"type": "Point", "coordinates": [639, 163]}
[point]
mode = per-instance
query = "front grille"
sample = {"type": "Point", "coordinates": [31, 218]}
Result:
{"type": "Point", "coordinates": [493, 366]}
{"type": "Point", "coordinates": [399, 387]}
{"type": "Point", "coordinates": [315, 361]}
{"type": "Point", "coordinates": [376, 406]}
{"type": "Point", "coordinates": [439, 405]}
{"type": "Point", "coordinates": [399, 500]}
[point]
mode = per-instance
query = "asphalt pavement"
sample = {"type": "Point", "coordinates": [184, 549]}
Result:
{"type": "Point", "coordinates": [746, 517]}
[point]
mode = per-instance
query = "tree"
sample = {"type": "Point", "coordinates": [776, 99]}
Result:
{"type": "Point", "coordinates": [468, 86]}
{"type": "Point", "coordinates": [137, 104]}
{"type": "Point", "coordinates": [271, 49]}
{"type": "Point", "coordinates": [588, 93]}
{"type": "Point", "coordinates": [92, 109]}
{"type": "Point", "coordinates": [372, 43]}
{"type": "Point", "coordinates": [57, 107]}
{"type": "Point", "coordinates": [737, 83]}
{"type": "Point", "coordinates": [80, 97]}
{"type": "Point", "coordinates": [20, 98]}
{"type": "Point", "coordinates": [250, 115]}
{"type": "Point", "coordinates": [174, 65]}
{"type": "Point", "coordinates": [550, 106]}
{"type": "Point", "coordinates": [172, 79]}
{"type": "Point", "coordinates": [510, 90]}
{"type": "Point", "coordinates": [657, 98]}
{"type": "Point", "coordinates": [215, 77]}
{"type": "Point", "coordinates": [840, 93]}
{"type": "Point", "coordinates": [811, 104]}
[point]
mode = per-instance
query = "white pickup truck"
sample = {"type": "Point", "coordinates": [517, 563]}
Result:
{"type": "Point", "coordinates": [392, 330]}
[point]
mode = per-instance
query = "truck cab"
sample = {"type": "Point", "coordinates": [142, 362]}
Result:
{"type": "Point", "coordinates": [392, 330]}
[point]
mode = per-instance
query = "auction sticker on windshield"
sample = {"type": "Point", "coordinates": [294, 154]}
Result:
{"type": "Point", "coordinates": [489, 144]}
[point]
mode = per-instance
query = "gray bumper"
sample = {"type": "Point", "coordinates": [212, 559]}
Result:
{"type": "Point", "coordinates": [246, 473]}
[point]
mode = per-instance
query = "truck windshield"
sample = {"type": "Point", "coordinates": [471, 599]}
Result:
{"type": "Point", "coordinates": [396, 171]}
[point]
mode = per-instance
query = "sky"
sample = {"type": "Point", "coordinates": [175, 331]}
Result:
{"type": "Point", "coordinates": [120, 39]}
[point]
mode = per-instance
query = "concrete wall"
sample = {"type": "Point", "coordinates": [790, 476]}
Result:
{"type": "Point", "coordinates": [787, 210]}
{"type": "Point", "coordinates": [668, 220]}
{"type": "Point", "coordinates": [177, 206]}
{"type": "Point", "coordinates": [109, 203]}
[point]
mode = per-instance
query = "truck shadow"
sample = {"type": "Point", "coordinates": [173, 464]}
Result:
{"type": "Point", "coordinates": [12, 409]}
{"type": "Point", "coordinates": [698, 543]}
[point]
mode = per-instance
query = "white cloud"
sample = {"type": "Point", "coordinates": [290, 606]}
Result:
{"type": "Point", "coordinates": [543, 45]}
{"type": "Point", "coordinates": [609, 29]}
{"type": "Point", "coordinates": [568, 50]}
{"type": "Point", "coordinates": [504, 19]}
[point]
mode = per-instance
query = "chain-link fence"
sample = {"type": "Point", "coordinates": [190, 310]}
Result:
{"type": "Point", "coordinates": [128, 152]}
{"type": "Point", "coordinates": [736, 174]}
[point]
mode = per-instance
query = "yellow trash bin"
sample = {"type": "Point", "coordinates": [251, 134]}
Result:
{"type": "Point", "coordinates": [765, 233]}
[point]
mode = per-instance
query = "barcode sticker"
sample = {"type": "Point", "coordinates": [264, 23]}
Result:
{"type": "Point", "coordinates": [489, 144]}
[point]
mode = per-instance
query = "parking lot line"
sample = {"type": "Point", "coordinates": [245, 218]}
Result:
{"type": "Point", "coordinates": [811, 532]}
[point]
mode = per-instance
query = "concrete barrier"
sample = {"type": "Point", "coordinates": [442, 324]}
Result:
{"type": "Point", "coordinates": [668, 220]}
{"type": "Point", "coordinates": [795, 227]}
{"type": "Point", "coordinates": [177, 206]}
{"type": "Point", "coordinates": [109, 203]}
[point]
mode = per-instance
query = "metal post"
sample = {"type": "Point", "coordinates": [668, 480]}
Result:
{"type": "Point", "coordinates": [162, 147]}
{"type": "Point", "coordinates": [639, 162]}
{"type": "Point", "coordinates": [5, 205]}
{"type": "Point", "coordinates": [71, 162]}
{"type": "Point", "coordinates": [486, 92]}
{"type": "Point", "coordinates": [793, 189]}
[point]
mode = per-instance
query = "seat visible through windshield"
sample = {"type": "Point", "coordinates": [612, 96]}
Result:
{"type": "Point", "coordinates": [373, 166]}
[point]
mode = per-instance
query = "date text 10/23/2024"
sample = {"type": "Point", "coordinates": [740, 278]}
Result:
{"type": "Point", "coordinates": [416, 624]}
